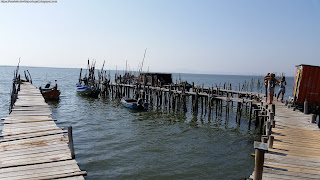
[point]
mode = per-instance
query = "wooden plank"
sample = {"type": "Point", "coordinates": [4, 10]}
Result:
{"type": "Point", "coordinates": [28, 169]}
{"type": "Point", "coordinates": [28, 132]}
{"type": "Point", "coordinates": [21, 118]}
{"type": "Point", "coordinates": [25, 127]}
{"type": "Point", "coordinates": [32, 135]}
{"type": "Point", "coordinates": [14, 122]}
{"type": "Point", "coordinates": [40, 123]}
{"type": "Point", "coordinates": [34, 150]}
{"type": "Point", "coordinates": [31, 159]}
{"type": "Point", "coordinates": [52, 170]}
{"type": "Point", "coordinates": [34, 142]}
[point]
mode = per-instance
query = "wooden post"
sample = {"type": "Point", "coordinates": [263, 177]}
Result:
{"type": "Point", "coordinates": [210, 103]}
{"type": "Point", "coordinates": [151, 98]}
{"type": "Point", "coordinates": [262, 120]}
{"type": "Point", "coordinates": [201, 99]}
{"type": "Point", "coordinates": [256, 112]}
{"type": "Point", "coordinates": [169, 98]}
{"type": "Point", "coordinates": [274, 109]}
{"type": "Point", "coordinates": [250, 114]}
{"type": "Point", "coordinates": [232, 101]}
{"type": "Point", "coordinates": [216, 100]}
{"type": "Point", "coordinates": [270, 142]}
{"type": "Point", "coordinates": [268, 128]}
{"type": "Point", "coordinates": [184, 102]}
{"type": "Point", "coordinates": [221, 106]}
{"type": "Point", "coordinates": [273, 122]}
{"type": "Point", "coordinates": [206, 104]}
{"type": "Point", "coordinates": [239, 110]}
{"type": "Point", "coordinates": [260, 149]}
{"type": "Point", "coordinates": [165, 99]}
{"type": "Point", "coordinates": [71, 142]}
{"type": "Point", "coordinates": [196, 102]}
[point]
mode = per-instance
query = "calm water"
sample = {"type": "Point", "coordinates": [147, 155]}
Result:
{"type": "Point", "coordinates": [113, 142]}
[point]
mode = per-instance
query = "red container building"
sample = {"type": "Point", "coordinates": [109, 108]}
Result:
{"type": "Point", "coordinates": [306, 85]}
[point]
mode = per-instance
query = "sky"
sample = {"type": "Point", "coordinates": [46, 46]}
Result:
{"type": "Point", "coordinates": [247, 37]}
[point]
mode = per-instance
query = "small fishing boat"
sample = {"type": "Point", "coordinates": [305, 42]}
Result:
{"type": "Point", "coordinates": [50, 93]}
{"type": "Point", "coordinates": [87, 91]}
{"type": "Point", "coordinates": [134, 103]}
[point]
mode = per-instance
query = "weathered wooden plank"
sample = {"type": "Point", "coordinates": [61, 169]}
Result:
{"type": "Point", "coordinates": [28, 132]}
{"type": "Point", "coordinates": [26, 121]}
{"type": "Point", "coordinates": [25, 127]}
{"type": "Point", "coordinates": [32, 135]}
{"type": "Point", "coordinates": [31, 159]}
{"type": "Point", "coordinates": [21, 118]}
{"type": "Point", "coordinates": [52, 170]}
{"type": "Point", "coordinates": [34, 150]}
{"type": "Point", "coordinates": [28, 169]}
{"type": "Point", "coordinates": [34, 142]}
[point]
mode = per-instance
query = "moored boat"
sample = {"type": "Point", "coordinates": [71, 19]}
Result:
{"type": "Point", "coordinates": [50, 93]}
{"type": "Point", "coordinates": [134, 103]}
{"type": "Point", "coordinates": [87, 91]}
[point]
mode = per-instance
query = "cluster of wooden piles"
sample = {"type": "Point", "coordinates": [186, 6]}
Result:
{"type": "Point", "coordinates": [31, 144]}
{"type": "Point", "coordinates": [290, 147]}
{"type": "Point", "coordinates": [203, 100]}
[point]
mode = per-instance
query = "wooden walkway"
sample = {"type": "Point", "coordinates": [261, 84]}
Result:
{"type": "Point", "coordinates": [31, 144]}
{"type": "Point", "coordinates": [296, 149]}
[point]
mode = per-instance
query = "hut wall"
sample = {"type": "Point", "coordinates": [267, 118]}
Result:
{"type": "Point", "coordinates": [308, 85]}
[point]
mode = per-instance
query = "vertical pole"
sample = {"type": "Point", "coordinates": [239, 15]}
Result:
{"type": "Point", "coordinates": [71, 142]}
{"type": "Point", "coordinates": [268, 128]}
{"type": "Point", "coordinates": [274, 109]}
{"type": "Point", "coordinates": [270, 142]}
{"type": "Point", "coordinates": [250, 114]}
{"type": "Point", "coordinates": [259, 160]}
{"type": "Point", "coordinates": [256, 112]}
{"type": "Point", "coordinates": [273, 122]}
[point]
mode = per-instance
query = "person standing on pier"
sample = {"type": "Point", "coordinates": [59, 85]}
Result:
{"type": "Point", "coordinates": [282, 89]}
{"type": "Point", "coordinates": [272, 81]}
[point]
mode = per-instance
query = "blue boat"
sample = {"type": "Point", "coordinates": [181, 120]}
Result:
{"type": "Point", "coordinates": [87, 91]}
{"type": "Point", "coordinates": [134, 103]}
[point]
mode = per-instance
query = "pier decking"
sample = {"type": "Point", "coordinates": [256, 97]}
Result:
{"type": "Point", "coordinates": [31, 144]}
{"type": "Point", "coordinates": [295, 152]}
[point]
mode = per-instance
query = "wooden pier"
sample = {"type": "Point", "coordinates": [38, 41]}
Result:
{"type": "Point", "coordinates": [31, 144]}
{"type": "Point", "coordinates": [293, 147]}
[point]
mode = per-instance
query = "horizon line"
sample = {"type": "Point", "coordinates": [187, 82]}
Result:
{"type": "Point", "coordinates": [226, 73]}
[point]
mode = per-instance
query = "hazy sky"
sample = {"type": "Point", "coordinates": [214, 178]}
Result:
{"type": "Point", "coordinates": [195, 36]}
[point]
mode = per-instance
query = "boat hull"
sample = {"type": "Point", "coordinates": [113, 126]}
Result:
{"type": "Point", "coordinates": [132, 104]}
{"type": "Point", "coordinates": [86, 91]}
{"type": "Point", "coordinates": [50, 94]}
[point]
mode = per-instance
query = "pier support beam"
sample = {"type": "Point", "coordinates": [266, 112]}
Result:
{"type": "Point", "coordinates": [260, 149]}
{"type": "Point", "coordinates": [71, 142]}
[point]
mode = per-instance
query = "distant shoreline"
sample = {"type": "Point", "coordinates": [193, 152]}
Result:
{"type": "Point", "coordinates": [222, 74]}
